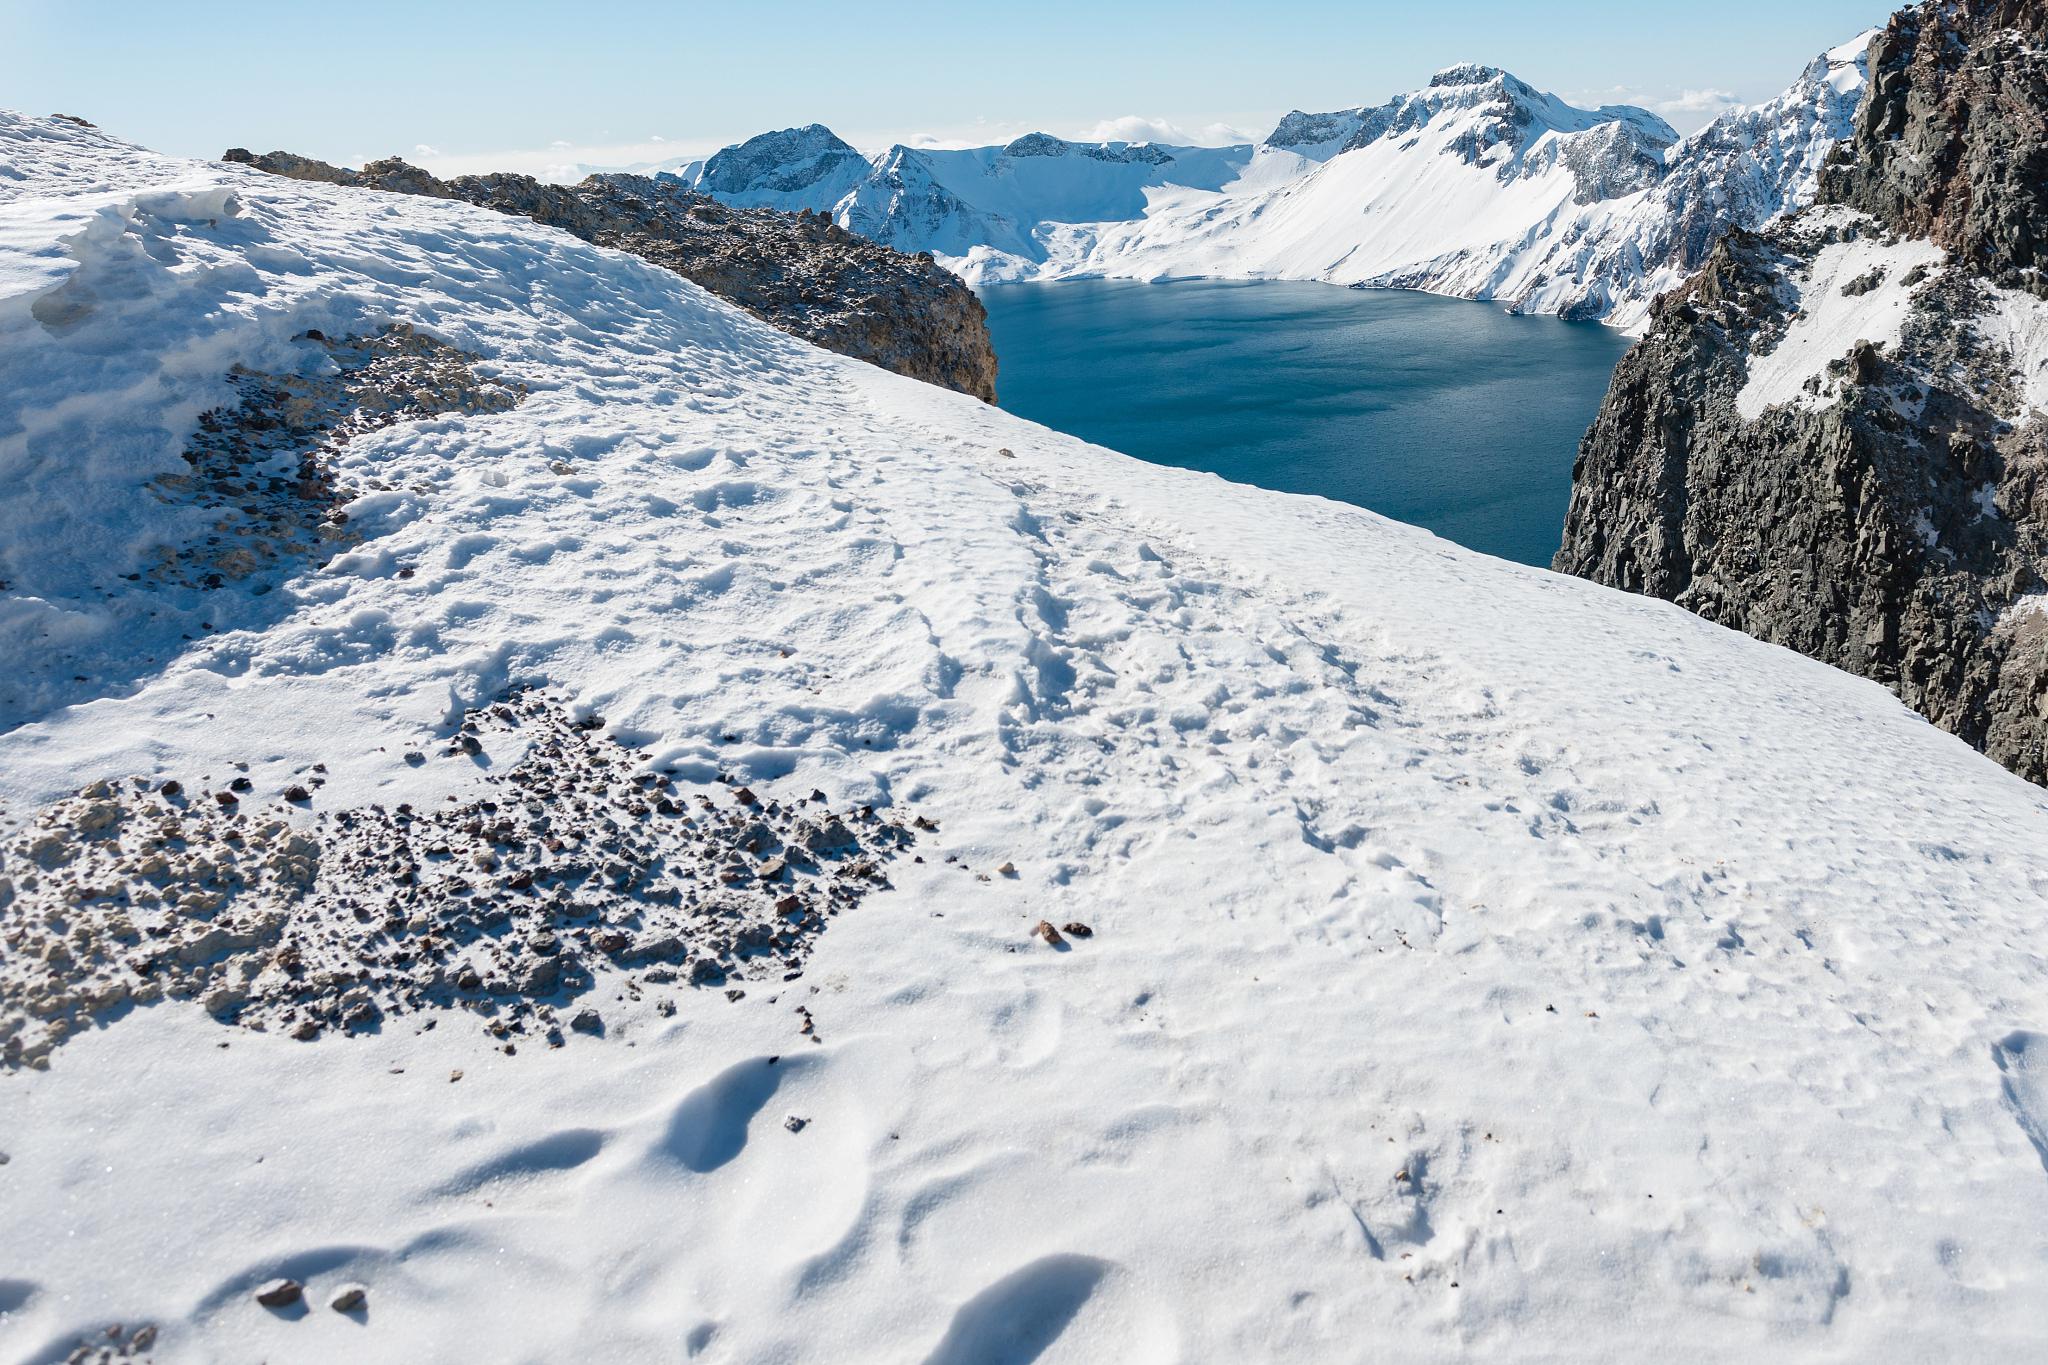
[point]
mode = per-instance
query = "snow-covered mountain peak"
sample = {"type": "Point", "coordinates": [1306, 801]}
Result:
{"type": "Point", "coordinates": [1045, 144]}
{"type": "Point", "coordinates": [1488, 117]}
{"type": "Point", "coordinates": [788, 161]}
{"type": "Point", "coordinates": [1467, 73]}
{"type": "Point", "coordinates": [1038, 144]}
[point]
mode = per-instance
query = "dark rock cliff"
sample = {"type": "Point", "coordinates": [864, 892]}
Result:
{"type": "Point", "coordinates": [1951, 141]}
{"type": "Point", "coordinates": [798, 272]}
{"type": "Point", "coordinates": [1889, 514]}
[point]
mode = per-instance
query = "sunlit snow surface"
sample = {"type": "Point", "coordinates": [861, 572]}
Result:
{"type": "Point", "coordinates": [1485, 962]}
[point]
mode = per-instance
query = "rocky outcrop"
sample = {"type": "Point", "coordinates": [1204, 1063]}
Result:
{"type": "Point", "coordinates": [1952, 142]}
{"type": "Point", "coordinates": [799, 272]}
{"type": "Point", "coordinates": [1832, 436]}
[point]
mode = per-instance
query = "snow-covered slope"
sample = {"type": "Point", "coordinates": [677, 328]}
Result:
{"type": "Point", "coordinates": [1483, 963]}
{"type": "Point", "coordinates": [1477, 185]}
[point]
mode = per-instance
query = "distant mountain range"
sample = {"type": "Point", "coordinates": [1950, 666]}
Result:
{"type": "Point", "coordinates": [1477, 185]}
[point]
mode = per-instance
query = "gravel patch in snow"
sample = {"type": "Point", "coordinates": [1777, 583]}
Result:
{"type": "Point", "coordinates": [577, 856]}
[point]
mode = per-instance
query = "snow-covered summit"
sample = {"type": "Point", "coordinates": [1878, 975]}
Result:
{"type": "Point", "coordinates": [1520, 105]}
{"type": "Point", "coordinates": [1508, 125]}
{"type": "Point", "coordinates": [786, 169]}
{"type": "Point", "coordinates": [1477, 961]}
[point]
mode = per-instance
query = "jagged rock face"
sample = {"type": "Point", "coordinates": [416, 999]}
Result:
{"type": "Point", "coordinates": [798, 272]}
{"type": "Point", "coordinates": [1881, 504]}
{"type": "Point", "coordinates": [1613, 160]}
{"type": "Point", "coordinates": [1952, 143]}
{"type": "Point", "coordinates": [1298, 129]}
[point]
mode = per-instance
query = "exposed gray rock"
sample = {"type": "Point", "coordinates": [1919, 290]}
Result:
{"type": "Point", "coordinates": [1951, 142]}
{"type": "Point", "coordinates": [800, 272]}
{"type": "Point", "coordinates": [1896, 524]}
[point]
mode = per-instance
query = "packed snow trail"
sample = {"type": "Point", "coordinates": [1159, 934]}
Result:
{"type": "Point", "coordinates": [1483, 962]}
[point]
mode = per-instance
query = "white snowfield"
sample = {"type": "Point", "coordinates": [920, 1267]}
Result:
{"type": "Point", "coordinates": [1486, 964]}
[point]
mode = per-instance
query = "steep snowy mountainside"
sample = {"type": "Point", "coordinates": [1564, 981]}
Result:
{"type": "Point", "coordinates": [952, 202]}
{"type": "Point", "coordinates": [1470, 960]}
{"type": "Point", "coordinates": [1477, 185]}
{"type": "Point", "coordinates": [1439, 188]}
{"type": "Point", "coordinates": [800, 272]}
{"type": "Point", "coordinates": [1748, 168]}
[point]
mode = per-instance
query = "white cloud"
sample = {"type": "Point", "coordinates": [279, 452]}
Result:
{"type": "Point", "coordinates": [1137, 128]}
{"type": "Point", "coordinates": [1686, 111]}
{"type": "Point", "coordinates": [422, 149]}
{"type": "Point", "coordinates": [564, 161]}
{"type": "Point", "coordinates": [1707, 102]}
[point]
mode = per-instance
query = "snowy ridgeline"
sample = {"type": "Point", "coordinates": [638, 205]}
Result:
{"type": "Point", "coordinates": [1483, 962]}
{"type": "Point", "coordinates": [1478, 186]}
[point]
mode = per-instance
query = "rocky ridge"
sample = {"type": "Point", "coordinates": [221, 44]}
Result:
{"type": "Point", "coordinates": [799, 272]}
{"type": "Point", "coordinates": [1832, 436]}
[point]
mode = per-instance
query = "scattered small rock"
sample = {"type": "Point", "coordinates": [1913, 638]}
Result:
{"type": "Point", "coordinates": [1077, 929]}
{"type": "Point", "coordinates": [349, 1299]}
{"type": "Point", "coordinates": [587, 1021]}
{"type": "Point", "coordinates": [795, 1124]}
{"type": "Point", "coordinates": [576, 858]}
{"type": "Point", "coordinates": [280, 1293]}
{"type": "Point", "coordinates": [1049, 934]}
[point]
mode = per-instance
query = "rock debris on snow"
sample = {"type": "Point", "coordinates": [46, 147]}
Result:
{"type": "Point", "coordinates": [504, 904]}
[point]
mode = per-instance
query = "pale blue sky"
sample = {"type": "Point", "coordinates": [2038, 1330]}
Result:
{"type": "Point", "coordinates": [465, 85]}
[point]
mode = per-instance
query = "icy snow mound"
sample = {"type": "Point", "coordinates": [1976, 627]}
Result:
{"type": "Point", "coordinates": [1483, 962]}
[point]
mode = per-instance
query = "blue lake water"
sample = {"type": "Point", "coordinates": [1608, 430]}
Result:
{"type": "Point", "coordinates": [1453, 415]}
